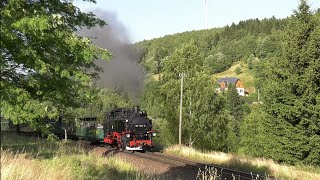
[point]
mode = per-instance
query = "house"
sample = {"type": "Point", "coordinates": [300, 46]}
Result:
{"type": "Point", "coordinates": [224, 83]}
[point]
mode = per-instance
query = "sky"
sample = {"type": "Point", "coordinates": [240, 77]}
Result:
{"type": "Point", "coordinates": [148, 19]}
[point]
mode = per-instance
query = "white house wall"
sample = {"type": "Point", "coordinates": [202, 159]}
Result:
{"type": "Point", "coordinates": [240, 91]}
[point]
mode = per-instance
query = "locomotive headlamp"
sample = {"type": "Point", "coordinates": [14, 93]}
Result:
{"type": "Point", "coordinates": [127, 135]}
{"type": "Point", "coordinates": [154, 134]}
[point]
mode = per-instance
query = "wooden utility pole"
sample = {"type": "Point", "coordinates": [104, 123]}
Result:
{"type": "Point", "coordinates": [65, 135]}
{"type": "Point", "coordinates": [182, 76]}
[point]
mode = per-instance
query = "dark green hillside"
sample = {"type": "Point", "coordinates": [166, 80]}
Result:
{"type": "Point", "coordinates": [220, 46]}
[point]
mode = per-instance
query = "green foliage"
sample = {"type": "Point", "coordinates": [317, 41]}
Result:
{"type": "Point", "coordinates": [216, 63]}
{"type": "Point", "coordinates": [233, 102]}
{"type": "Point", "coordinates": [233, 138]}
{"type": "Point", "coordinates": [238, 70]}
{"type": "Point", "coordinates": [101, 101]}
{"type": "Point", "coordinates": [235, 106]}
{"type": "Point", "coordinates": [44, 64]}
{"type": "Point", "coordinates": [291, 91]}
{"type": "Point", "coordinates": [254, 133]}
{"type": "Point", "coordinates": [283, 54]}
{"type": "Point", "coordinates": [249, 61]}
{"type": "Point", "coordinates": [204, 121]}
{"type": "Point", "coordinates": [218, 47]}
{"type": "Point", "coordinates": [153, 100]}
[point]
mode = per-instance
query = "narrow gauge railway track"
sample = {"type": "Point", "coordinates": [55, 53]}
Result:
{"type": "Point", "coordinates": [151, 156]}
{"type": "Point", "coordinates": [224, 173]}
{"type": "Point", "coordinates": [166, 168]}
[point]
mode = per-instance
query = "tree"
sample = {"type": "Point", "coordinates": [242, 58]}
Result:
{"type": "Point", "coordinates": [292, 90]}
{"type": "Point", "coordinates": [216, 63]}
{"type": "Point", "coordinates": [153, 100]}
{"type": "Point", "coordinates": [238, 70]}
{"type": "Point", "coordinates": [204, 122]}
{"type": "Point", "coordinates": [45, 66]}
{"type": "Point", "coordinates": [249, 61]}
{"type": "Point", "coordinates": [235, 106]}
{"type": "Point", "coordinates": [233, 102]}
{"type": "Point", "coordinates": [257, 138]}
{"type": "Point", "coordinates": [184, 60]}
{"type": "Point", "coordinates": [103, 100]}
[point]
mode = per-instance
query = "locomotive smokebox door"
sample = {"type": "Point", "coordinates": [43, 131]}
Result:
{"type": "Point", "coordinates": [139, 125]}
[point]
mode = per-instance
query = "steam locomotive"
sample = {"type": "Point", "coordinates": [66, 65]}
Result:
{"type": "Point", "coordinates": [126, 128]}
{"type": "Point", "coordinates": [129, 129]}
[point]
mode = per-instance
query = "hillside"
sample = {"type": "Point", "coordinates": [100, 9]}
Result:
{"type": "Point", "coordinates": [278, 57]}
{"type": "Point", "coordinates": [246, 75]}
{"type": "Point", "coordinates": [254, 37]}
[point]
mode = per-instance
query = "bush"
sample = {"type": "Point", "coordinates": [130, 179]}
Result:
{"type": "Point", "coordinates": [238, 70]}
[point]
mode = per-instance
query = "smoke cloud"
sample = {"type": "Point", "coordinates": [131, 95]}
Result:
{"type": "Point", "coordinates": [122, 72]}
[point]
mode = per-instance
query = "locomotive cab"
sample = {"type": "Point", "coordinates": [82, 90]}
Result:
{"type": "Point", "coordinates": [115, 122]}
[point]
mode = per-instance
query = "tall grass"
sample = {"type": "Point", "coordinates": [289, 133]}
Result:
{"type": "Point", "coordinates": [35, 158]}
{"type": "Point", "coordinates": [255, 165]}
{"type": "Point", "coordinates": [18, 166]}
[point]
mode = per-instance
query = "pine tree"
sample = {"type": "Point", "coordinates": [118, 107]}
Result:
{"type": "Point", "coordinates": [292, 90]}
{"type": "Point", "coordinates": [235, 106]}
{"type": "Point", "coordinates": [234, 103]}
{"type": "Point", "coordinates": [249, 61]}
{"type": "Point", "coordinates": [254, 132]}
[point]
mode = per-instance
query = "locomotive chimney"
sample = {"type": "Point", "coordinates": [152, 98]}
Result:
{"type": "Point", "coordinates": [136, 109]}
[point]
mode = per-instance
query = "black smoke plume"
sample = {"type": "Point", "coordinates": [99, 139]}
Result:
{"type": "Point", "coordinates": [122, 72]}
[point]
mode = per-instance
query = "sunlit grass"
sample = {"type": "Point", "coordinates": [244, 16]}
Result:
{"type": "Point", "coordinates": [256, 165]}
{"type": "Point", "coordinates": [246, 76]}
{"type": "Point", "coordinates": [19, 166]}
{"type": "Point", "coordinates": [37, 159]}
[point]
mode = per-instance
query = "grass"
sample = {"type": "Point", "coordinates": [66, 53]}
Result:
{"type": "Point", "coordinates": [33, 158]}
{"type": "Point", "coordinates": [246, 75]}
{"type": "Point", "coordinates": [255, 165]}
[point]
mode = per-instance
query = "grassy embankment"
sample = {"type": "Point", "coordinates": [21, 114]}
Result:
{"type": "Point", "coordinates": [246, 75]}
{"type": "Point", "coordinates": [249, 164]}
{"type": "Point", "coordinates": [32, 158]}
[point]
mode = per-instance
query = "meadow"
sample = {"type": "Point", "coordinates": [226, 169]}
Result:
{"type": "Point", "coordinates": [37, 159]}
{"type": "Point", "coordinates": [265, 167]}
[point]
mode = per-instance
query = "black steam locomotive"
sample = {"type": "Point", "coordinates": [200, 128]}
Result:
{"type": "Point", "coordinates": [129, 129]}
